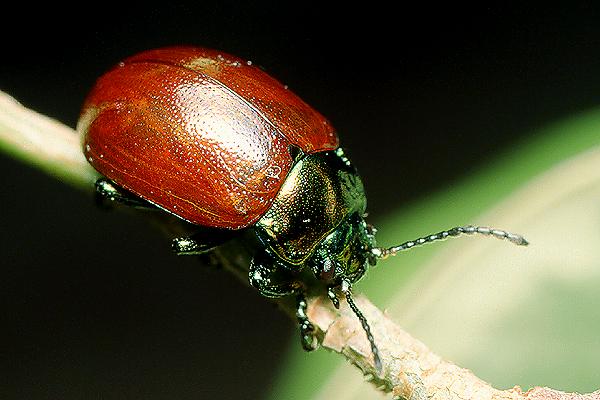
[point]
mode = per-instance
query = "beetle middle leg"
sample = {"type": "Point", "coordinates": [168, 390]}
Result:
{"type": "Point", "coordinates": [272, 280]}
{"type": "Point", "coordinates": [109, 192]}
{"type": "Point", "coordinates": [202, 241]}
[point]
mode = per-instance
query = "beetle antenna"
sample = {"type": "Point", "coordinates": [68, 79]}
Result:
{"type": "Point", "coordinates": [381, 252]}
{"type": "Point", "coordinates": [346, 289]}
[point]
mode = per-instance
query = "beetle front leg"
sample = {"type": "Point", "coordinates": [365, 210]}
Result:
{"type": "Point", "coordinates": [267, 277]}
{"type": "Point", "coordinates": [307, 330]}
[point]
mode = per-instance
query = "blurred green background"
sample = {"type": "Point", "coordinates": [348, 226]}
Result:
{"type": "Point", "coordinates": [451, 114]}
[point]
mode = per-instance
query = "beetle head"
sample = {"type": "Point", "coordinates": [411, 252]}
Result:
{"type": "Point", "coordinates": [345, 253]}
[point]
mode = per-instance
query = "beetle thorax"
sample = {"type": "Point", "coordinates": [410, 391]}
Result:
{"type": "Point", "coordinates": [316, 218]}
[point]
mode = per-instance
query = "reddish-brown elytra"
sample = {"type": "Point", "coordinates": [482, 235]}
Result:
{"type": "Point", "coordinates": [200, 133]}
{"type": "Point", "coordinates": [217, 142]}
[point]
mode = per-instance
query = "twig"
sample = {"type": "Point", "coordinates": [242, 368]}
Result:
{"type": "Point", "coordinates": [43, 142]}
{"type": "Point", "coordinates": [411, 370]}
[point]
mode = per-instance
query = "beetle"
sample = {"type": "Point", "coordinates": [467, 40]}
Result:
{"type": "Point", "coordinates": [217, 142]}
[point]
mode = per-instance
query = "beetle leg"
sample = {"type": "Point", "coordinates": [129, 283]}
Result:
{"type": "Point", "coordinates": [189, 246]}
{"type": "Point", "coordinates": [307, 330]}
{"type": "Point", "coordinates": [333, 296]}
{"type": "Point", "coordinates": [270, 279]}
{"type": "Point", "coordinates": [107, 191]}
{"type": "Point", "coordinates": [203, 241]}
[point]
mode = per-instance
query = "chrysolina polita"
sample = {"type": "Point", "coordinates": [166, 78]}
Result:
{"type": "Point", "coordinates": [215, 141]}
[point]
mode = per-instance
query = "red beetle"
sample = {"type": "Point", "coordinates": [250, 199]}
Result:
{"type": "Point", "coordinates": [217, 142]}
{"type": "Point", "coordinates": [199, 133]}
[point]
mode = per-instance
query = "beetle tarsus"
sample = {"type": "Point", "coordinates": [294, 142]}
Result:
{"type": "Point", "coordinates": [333, 296]}
{"type": "Point", "coordinates": [307, 330]}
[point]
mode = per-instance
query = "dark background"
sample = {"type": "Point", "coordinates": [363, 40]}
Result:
{"type": "Point", "coordinates": [94, 305]}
